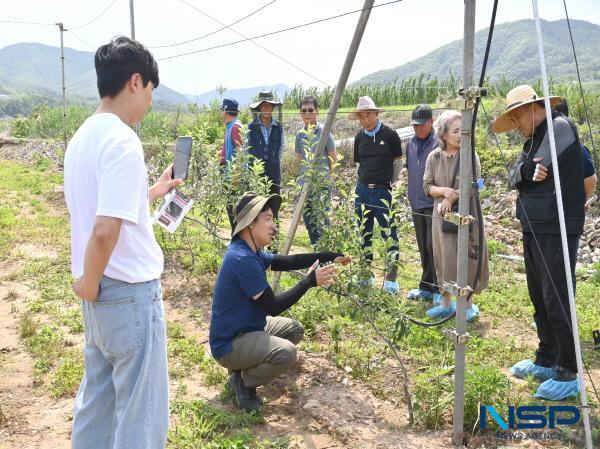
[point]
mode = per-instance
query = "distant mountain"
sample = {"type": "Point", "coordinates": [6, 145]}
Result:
{"type": "Point", "coordinates": [34, 68]}
{"type": "Point", "coordinates": [242, 96]}
{"type": "Point", "coordinates": [513, 54]}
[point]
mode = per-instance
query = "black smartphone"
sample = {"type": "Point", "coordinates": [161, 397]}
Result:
{"type": "Point", "coordinates": [181, 162]}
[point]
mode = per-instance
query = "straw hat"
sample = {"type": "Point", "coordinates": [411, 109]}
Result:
{"type": "Point", "coordinates": [364, 104]}
{"type": "Point", "coordinates": [249, 206]}
{"type": "Point", "coordinates": [517, 97]}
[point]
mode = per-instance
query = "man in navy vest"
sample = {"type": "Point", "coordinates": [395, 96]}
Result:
{"type": "Point", "coordinates": [417, 150]}
{"type": "Point", "coordinates": [266, 139]}
{"type": "Point", "coordinates": [555, 362]}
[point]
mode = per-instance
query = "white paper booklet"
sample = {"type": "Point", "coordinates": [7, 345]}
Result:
{"type": "Point", "coordinates": [172, 210]}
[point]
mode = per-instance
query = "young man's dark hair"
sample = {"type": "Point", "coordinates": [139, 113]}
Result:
{"type": "Point", "coordinates": [309, 99]}
{"type": "Point", "coordinates": [118, 60]}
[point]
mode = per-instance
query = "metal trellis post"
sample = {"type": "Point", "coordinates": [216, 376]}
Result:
{"type": "Point", "coordinates": [459, 335]}
{"type": "Point", "coordinates": [64, 88]}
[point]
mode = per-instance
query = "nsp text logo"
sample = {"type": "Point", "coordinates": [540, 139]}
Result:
{"type": "Point", "coordinates": [531, 416]}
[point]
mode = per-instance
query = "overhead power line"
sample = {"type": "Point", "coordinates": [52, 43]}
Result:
{"type": "Point", "coordinates": [283, 30]}
{"type": "Point", "coordinates": [80, 40]}
{"type": "Point", "coordinates": [281, 58]}
{"type": "Point", "coordinates": [96, 18]}
{"type": "Point", "coordinates": [224, 27]}
{"type": "Point", "coordinates": [21, 22]}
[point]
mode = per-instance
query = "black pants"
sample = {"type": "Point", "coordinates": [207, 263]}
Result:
{"type": "Point", "coordinates": [422, 221]}
{"type": "Point", "coordinates": [547, 287]}
{"type": "Point", "coordinates": [275, 189]}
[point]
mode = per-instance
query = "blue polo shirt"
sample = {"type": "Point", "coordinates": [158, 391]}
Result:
{"type": "Point", "coordinates": [242, 275]}
{"type": "Point", "coordinates": [588, 162]}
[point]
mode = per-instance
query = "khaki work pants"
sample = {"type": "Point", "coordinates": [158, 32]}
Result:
{"type": "Point", "coordinates": [263, 355]}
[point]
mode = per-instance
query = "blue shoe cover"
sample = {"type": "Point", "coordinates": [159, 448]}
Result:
{"type": "Point", "coordinates": [526, 368]}
{"type": "Point", "coordinates": [437, 299]}
{"type": "Point", "coordinates": [554, 390]}
{"type": "Point", "coordinates": [417, 294]}
{"type": "Point", "coordinates": [472, 312]}
{"type": "Point", "coordinates": [441, 311]}
{"type": "Point", "coordinates": [391, 287]}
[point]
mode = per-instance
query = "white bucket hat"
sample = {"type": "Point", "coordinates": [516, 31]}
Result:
{"type": "Point", "coordinates": [364, 104]}
{"type": "Point", "coordinates": [517, 97]}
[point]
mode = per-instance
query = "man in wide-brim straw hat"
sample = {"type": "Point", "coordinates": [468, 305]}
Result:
{"type": "Point", "coordinates": [555, 362]}
{"type": "Point", "coordinates": [266, 137]}
{"type": "Point", "coordinates": [378, 151]}
{"type": "Point", "coordinates": [246, 334]}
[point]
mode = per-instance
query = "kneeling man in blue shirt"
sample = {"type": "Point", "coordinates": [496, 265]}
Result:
{"type": "Point", "coordinates": [246, 334]}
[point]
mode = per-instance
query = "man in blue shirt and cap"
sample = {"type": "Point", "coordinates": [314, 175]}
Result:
{"type": "Point", "coordinates": [247, 335]}
{"type": "Point", "coordinates": [233, 139]}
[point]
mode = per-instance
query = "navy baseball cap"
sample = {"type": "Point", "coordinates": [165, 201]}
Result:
{"type": "Point", "coordinates": [421, 114]}
{"type": "Point", "coordinates": [229, 105]}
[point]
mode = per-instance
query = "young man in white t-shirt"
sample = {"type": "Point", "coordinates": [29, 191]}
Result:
{"type": "Point", "coordinates": [122, 402]}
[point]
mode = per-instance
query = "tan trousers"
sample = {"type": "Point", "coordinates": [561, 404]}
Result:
{"type": "Point", "coordinates": [263, 355]}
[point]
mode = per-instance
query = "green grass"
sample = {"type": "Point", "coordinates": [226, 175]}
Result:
{"type": "Point", "coordinates": [203, 426]}
{"type": "Point", "coordinates": [68, 374]}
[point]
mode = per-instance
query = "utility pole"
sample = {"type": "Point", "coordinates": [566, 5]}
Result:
{"type": "Point", "coordinates": [132, 25]}
{"type": "Point", "coordinates": [132, 19]}
{"type": "Point", "coordinates": [461, 289]}
{"type": "Point", "coordinates": [64, 95]}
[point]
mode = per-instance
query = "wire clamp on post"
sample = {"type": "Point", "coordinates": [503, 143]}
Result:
{"type": "Point", "coordinates": [466, 98]}
{"type": "Point", "coordinates": [455, 290]}
{"type": "Point", "coordinates": [455, 337]}
{"type": "Point", "coordinates": [473, 92]}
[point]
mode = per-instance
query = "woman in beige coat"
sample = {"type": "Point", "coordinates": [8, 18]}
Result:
{"type": "Point", "coordinates": [441, 183]}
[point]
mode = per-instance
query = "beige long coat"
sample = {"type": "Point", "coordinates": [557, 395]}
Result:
{"type": "Point", "coordinates": [439, 171]}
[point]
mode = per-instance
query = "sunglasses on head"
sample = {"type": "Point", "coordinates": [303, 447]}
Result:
{"type": "Point", "coordinates": [306, 111]}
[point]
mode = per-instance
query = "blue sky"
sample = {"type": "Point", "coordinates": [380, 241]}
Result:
{"type": "Point", "coordinates": [395, 34]}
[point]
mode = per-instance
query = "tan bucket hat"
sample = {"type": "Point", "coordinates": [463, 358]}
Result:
{"type": "Point", "coordinates": [517, 97]}
{"type": "Point", "coordinates": [265, 97]}
{"type": "Point", "coordinates": [249, 206]}
{"type": "Point", "coordinates": [364, 104]}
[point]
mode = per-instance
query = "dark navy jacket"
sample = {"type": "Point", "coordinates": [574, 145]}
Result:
{"type": "Point", "coordinates": [268, 152]}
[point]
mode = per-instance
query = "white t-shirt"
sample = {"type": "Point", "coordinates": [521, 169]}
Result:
{"type": "Point", "coordinates": [105, 175]}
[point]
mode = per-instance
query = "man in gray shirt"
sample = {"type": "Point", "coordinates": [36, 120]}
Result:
{"type": "Point", "coordinates": [417, 150]}
{"type": "Point", "coordinates": [319, 196]}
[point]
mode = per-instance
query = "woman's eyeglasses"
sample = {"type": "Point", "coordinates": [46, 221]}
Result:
{"type": "Point", "coordinates": [307, 111]}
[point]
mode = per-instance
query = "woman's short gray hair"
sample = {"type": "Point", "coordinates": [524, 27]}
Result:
{"type": "Point", "coordinates": [442, 123]}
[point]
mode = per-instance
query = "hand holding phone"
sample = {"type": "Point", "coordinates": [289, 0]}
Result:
{"type": "Point", "coordinates": [181, 161]}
